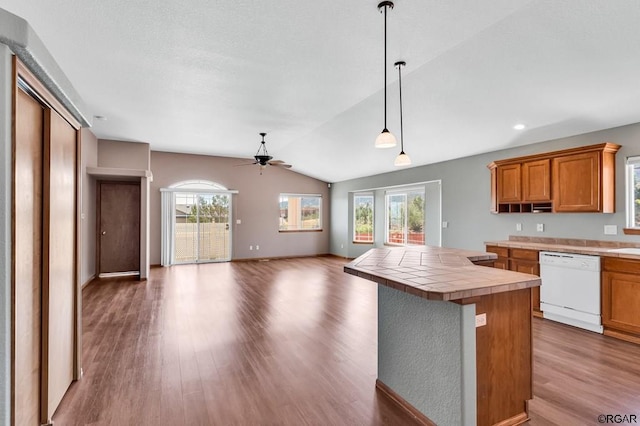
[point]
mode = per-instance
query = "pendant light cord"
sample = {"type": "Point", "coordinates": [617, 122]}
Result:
{"type": "Point", "coordinates": [385, 66]}
{"type": "Point", "coordinates": [400, 87]}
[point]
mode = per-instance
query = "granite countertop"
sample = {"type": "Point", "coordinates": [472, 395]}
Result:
{"type": "Point", "coordinates": [568, 245]}
{"type": "Point", "coordinates": [437, 273]}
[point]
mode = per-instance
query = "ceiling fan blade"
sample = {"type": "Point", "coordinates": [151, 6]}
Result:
{"type": "Point", "coordinates": [276, 162]}
{"type": "Point", "coordinates": [286, 166]}
{"type": "Point", "coordinates": [246, 164]}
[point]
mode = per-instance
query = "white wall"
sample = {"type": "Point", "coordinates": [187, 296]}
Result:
{"type": "Point", "coordinates": [466, 197]}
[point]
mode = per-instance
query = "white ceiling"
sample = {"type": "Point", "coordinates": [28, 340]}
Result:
{"type": "Point", "coordinates": [206, 77]}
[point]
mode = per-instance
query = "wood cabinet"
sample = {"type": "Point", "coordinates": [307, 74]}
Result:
{"type": "Point", "coordinates": [519, 260]}
{"type": "Point", "coordinates": [536, 181]}
{"type": "Point", "coordinates": [621, 298]}
{"type": "Point", "coordinates": [509, 184]}
{"type": "Point", "coordinates": [572, 180]}
{"type": "Point", "coordinates": [577, 184]}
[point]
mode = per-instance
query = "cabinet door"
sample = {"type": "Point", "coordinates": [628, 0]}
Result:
{"type": "Point", "coordinates": [501, 262]}
{"type": "Point", "coordinates": [536, 180]}
{"type": "Point", "coordinates": [509, 185]}
{"type": "Point", "coordinates": [621, 301]}
{"type": "Point", "coordinates": [529, 267]}
{"type": "Point", "coordinates": [576, 183]}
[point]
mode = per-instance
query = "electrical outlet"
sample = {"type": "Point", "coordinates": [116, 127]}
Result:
{"type": "Point", "coordinates": [518, 227]}
{"type": "Point", "coordinates": [610, 230]}
{"type": "Point", "coordinates": [341, 246]}
{"type": "Point", "coordinates": [257, 247]}
{"type": "Point", "coordinates": [250, 247]}
{"type": "Point", "coordinates": [445, 224]}
{"type": "Point", "coordinates": [540, 227]}
{"type": "Point", "coordinates": [238, 221]}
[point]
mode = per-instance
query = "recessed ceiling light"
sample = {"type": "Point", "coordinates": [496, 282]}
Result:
{"type": "Point", "coordinates": [519, 126]}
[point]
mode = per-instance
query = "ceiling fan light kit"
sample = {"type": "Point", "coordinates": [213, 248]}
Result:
{"type": "Point", "coordinates": [385, 139]}
{"type": "Point", "coordinates": [263, 159]}
{"type": "Point", "coordinates": [402, 159]}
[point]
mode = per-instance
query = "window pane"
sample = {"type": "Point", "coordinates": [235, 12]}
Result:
{"type": "Point", "coordinates": [405, 217]}
{"type": "Point", "coordinates": [300, 212]}
{"type": "Point", "coordinates": [636, 196]}
{"type": "Point", "coordinates": [396, 231]}
{"type": "Point", "coordinates": [416, 218]}
{"type": "Point", "coordinates": [363, 218]}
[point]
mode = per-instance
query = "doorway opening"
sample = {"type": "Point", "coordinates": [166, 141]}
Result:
{"type": "Point", "coordinates": [196, 223]}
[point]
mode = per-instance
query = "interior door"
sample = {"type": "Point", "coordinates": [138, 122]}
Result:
{"type": "Point", "coordinates": [27, 214]}
{"type": "Point", "coordinates": [118, 227]}
{"type": "Point", "coordinates": [59, 283]}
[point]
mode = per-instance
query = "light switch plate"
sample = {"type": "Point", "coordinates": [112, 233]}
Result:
{"type": "Point", "coordinates": [445, 224]}
{"type": "Point", "coordinates": [610, 230]}
{"type": "Point", "coordinates": [518, 227]}
{"type": "Point", "coordinates": [238, 221]}
{"type": "Point", "coordinates": [481, 320]}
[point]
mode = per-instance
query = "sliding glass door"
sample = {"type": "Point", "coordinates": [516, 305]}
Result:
{"type": "Point", "coordinates": [202, 231]}
{"type": "Point", "coordinates": [405, 217]}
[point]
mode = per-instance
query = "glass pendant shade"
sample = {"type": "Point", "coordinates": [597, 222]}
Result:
{"type": "Point", "coordinates": [402, 160]}
{"type": "Point", "coordinates": [386, 140]}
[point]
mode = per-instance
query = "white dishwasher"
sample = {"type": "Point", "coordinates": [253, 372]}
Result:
{"type": "Point", "coordinates": [570, 289]}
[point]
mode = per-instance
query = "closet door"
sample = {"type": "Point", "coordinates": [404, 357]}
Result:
{"type": "Point", "coordinates": [60, 260]}
{"type": "Point", "coordinates": [27, 214]}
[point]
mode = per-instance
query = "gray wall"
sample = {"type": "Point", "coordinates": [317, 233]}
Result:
{"type": "Point", "coordinates": [88, 158]}
{"type": "Point", "coordinates": [466, 197]}
{"type": "Point", "coordinates": [5, 233]}
{"type": "Point", "coordinates": [256, 203]}
{"type": "Point", "coordinates": [426, 353]}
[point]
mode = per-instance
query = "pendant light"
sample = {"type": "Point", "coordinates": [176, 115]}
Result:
{"type": "Point", "coordinates": [385, 139]}
{"type": "Point", "coordinates": [402, 159]}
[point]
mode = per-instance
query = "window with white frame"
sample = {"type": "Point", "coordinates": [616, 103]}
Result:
{"type": "Point", "coordinates": [404, 216]}
{"type": "Point", "coordinates": [363, 217]}
{"type": "Point", "coordinates": [300, 212]}
{"type": "Point", "coordinates": [633, 192]}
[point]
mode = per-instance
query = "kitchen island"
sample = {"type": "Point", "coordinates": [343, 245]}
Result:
{"type": "Point", "coordinates": [454, 338]}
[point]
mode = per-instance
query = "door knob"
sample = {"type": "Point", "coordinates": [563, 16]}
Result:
{"type": "Point", "coordinates": [104, 232]}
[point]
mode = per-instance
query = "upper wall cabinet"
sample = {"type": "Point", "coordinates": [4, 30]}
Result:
{"type": "Point", "coordinates": [572, 180]}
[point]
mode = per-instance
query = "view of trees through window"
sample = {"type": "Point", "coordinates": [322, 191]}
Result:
{"type": "Point", "coordinates": [202, 231]}
{"type": "Point", "coordinates": [635, 205]}
{"type": "Point", "coordinates": [363, 218]}
{"type": "Point", "coordinates": [214, 209]}
{"type": "Point", "coordinates": [300, 212]}
{"type": "Point", "coordinates": [405, 218]}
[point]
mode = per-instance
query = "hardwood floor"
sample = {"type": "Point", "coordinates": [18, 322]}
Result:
{"type": "Point", "coordinates": [289, 342]}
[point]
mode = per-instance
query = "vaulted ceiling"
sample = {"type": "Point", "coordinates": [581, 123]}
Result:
{"type": "Point", "coordinates": [207, 76]}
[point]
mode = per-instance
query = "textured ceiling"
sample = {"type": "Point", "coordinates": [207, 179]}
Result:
{"type": "Point", "coordinates": [207, 76]}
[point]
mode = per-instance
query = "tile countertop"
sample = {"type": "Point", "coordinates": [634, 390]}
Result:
{"type": "Point", "coordinates": [567, 245]}
{"type": "Point", "coordinates": [437, 273]}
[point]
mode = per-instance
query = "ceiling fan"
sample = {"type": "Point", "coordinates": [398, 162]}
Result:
{"type": "Point", "coordinates": [263, 159]}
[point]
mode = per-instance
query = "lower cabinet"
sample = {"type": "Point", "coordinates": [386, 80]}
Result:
{"type": "Point", "coordinates": [520, 260]}
{"type": "Point", "coordinates": [621, 298]}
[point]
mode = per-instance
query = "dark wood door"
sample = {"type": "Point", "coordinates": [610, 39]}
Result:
{"type": "Point", "coordinates": [118, 227]}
